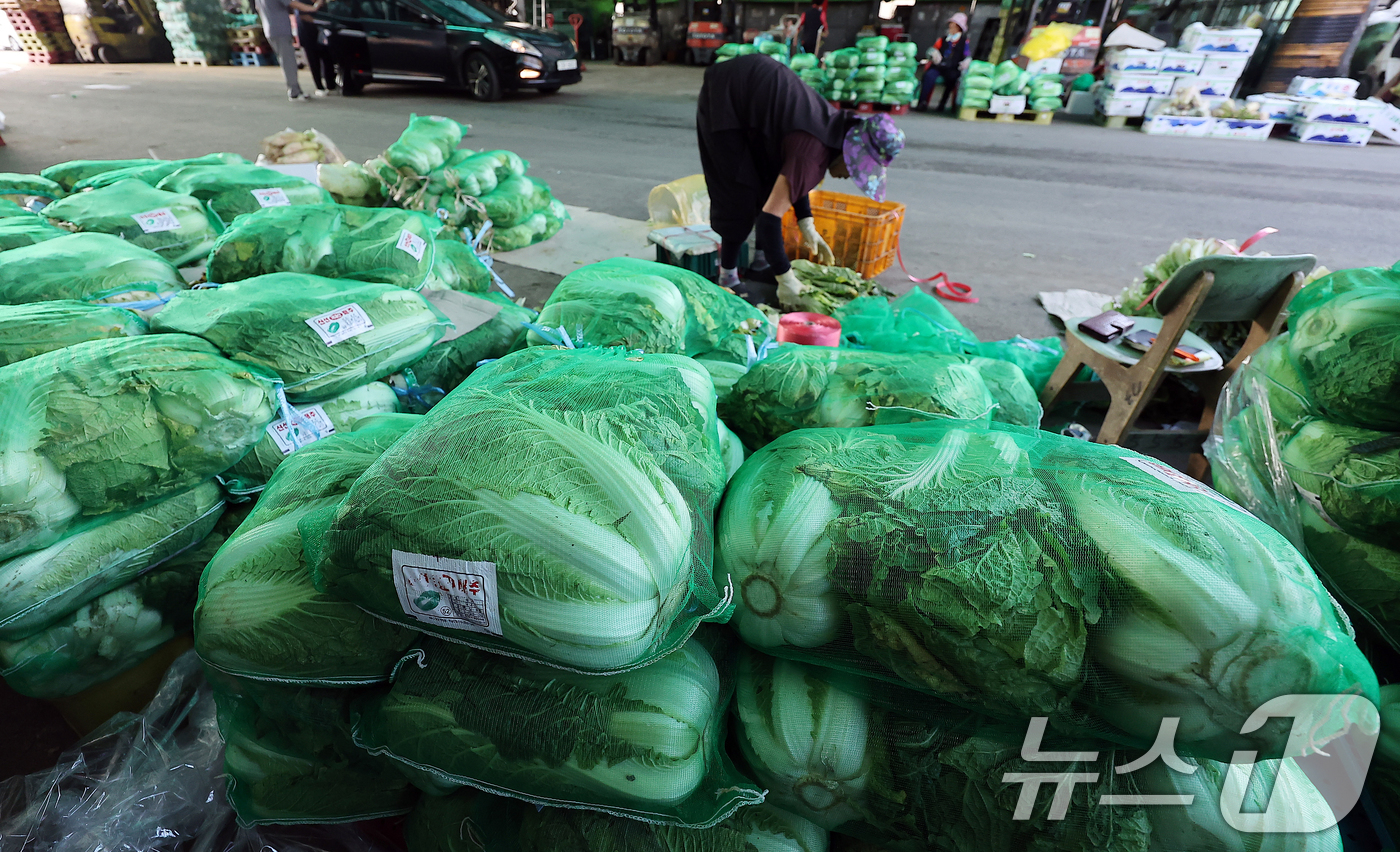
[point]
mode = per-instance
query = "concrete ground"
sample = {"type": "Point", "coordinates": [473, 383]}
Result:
{"type": "Point", "coordinates": [1010, 210]}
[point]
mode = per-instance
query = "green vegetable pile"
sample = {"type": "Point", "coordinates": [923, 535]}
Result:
{"type": "Point", "coordinates": [1307, 437]}
{"type": "Point", "coordinates": [1020, 572]}
{"type": "Point", "coordinates": [151, 173]}
{"type": "Point", "coordinates": [38, 327]}
{"type": "Point", "coordinates": [25, 230]}
{"type": "Point", "coordinates": [303, 328]}
{"type": "Point", "coordinates": [232, 190]}
{"type": "Point", "coordinates": [176, 227]}
{"type": "Point", "coordinates": [592, 501]}
{"type": "Point", "coordinates": [96, 268]}
{"type": "Point", "coordinates": [645, 744]}
{"type": "Point", "coordinates": [826, 288]}
{"type": "Point", "coordinates": [330, 240]}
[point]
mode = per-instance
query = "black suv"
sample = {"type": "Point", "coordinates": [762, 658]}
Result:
{"type": "Point", "coordinates": [458, 42]}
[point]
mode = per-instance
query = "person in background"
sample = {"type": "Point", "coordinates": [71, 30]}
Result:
{"type": "Point", "coordinates": [811, 27]}
{"type": "Point", "coordinates": [318, 58]}
{"type": "Point", "coordinates": [277, 26]}
{"type": "Point", "coordinates": [946, 59]}
{"type": "Point", "coordinates": [766, 140]}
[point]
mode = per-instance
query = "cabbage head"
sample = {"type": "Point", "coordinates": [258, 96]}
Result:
{"type": "Point", "coordinates": [39, 327]}
{"type": "Point", "coordinates": [232, 190]}
{"type": "Point", "coordinates": [19, 231]}
{"type": "Point", "coordinates": [635, 311]}
{"type": "Point", "coordinates": [119, 210]}
{"type": "Point", "coordinates": [1352, 474]}
{"type": "Point", "coordinates": [97, 268]}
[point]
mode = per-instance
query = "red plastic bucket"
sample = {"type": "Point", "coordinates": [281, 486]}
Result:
{"type": "Point", "coordinates": [809, 329]}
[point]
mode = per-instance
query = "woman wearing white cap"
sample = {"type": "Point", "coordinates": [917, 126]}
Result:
{"type": "Point", "coordinates": [946, 61]}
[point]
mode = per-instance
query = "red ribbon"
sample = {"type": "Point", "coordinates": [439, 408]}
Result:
{"type": "Point", "coordinates": [945, 287]}
{"type": "Point", "coordinates": [1254, 238]}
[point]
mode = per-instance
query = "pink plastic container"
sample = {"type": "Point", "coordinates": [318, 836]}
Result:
{"type": "Point", "coordinates": [809, 329]}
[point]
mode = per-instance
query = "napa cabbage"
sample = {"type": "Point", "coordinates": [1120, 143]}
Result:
{"type": "Point", "coordinates": [39, 327]}
{"type": "Point", "coordinates": [177, 227]}
{"type": "Point", "coordinates": [90, 268]}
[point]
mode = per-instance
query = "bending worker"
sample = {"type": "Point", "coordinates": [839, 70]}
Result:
{"type": "Point", "coordinates": [766, 140]}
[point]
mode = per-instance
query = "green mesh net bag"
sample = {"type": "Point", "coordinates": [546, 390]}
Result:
{"type": "Point", "coordinates": [23, 188]}
{"type": "Point", "coordinates": [333, 241]}
{"type": "Point", "coordinates": [309, 423]}
{"type": "Point", "coordinates": [289, 759]}
{"type": "Point", "coordinates": [909, 774]}
{"type": "Point", "coordinates": [177, 227]}
{"type": "Point", "coordinates": [425, 144]}
{"type": "Point", "coordinates": [20, 231]}
{"type": "Point", "coordinates": [259, 616]}
{"type": "Point", "coordinates": [107, 425]}
{"type": "Point", "coordinates": [539, 227]}
{"type": "Point", "coordinates": [153, 173]}
{"type": "Point", "coordinates": [796, 387]}
{"type": "Point", "coordinates": [719, 325]}
{"type": "Point", "coordinates": [646, 744]}
{"type": "Point", "coordinates": [571, 500]}
{"type": "Point", "coordinates": [90, 268]}
{"type": "Point", "coordinates": [11, 210]}
{"type": "Point", "coordinates": [69, 173]}
{"type": "Point", "coordinates": [1344, 334]}
{"type": "Point", "coordinates": [110, 634]}
{"type": "Point", "coordinates": [40, 588]}
{"type": "Point", "coordinates": [39, 327]}
{"type": "Point", "coordinates": [472, 821]}
{"type": "Point", "coordinates": [515, 199]}
{"type": "Point", "coordinates": [456, 266]}
{"type": "Point", "coordinates": [624, 308]}
{"type": "Point", "coordinates": [1021, 572]}
{"type": "Point", "coordinates": [322, 336]}
{"type": "Point", "coordinates": [231, 191]}
{"type": "Point", "coordinates": [487, 327]}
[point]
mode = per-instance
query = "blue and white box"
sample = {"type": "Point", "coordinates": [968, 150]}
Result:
{"type": "Point", "coordinates": [1107, 103]}
{"type": "Point", "coordinates": [1253, 129]}
{"type": "Point", "coordinates": [1197, 38]}
{"type": "Point", "coordinates": [1134, 60]}
{"type": "Point", "coordinates": [1178, 125]}
{"type": "Point", "coordinates": [1322, 133]}
{"type": "Point", "coordinates": [1336, 110]}
{"type": "Point", "coordinates": [1180, 62]}
{"type": "Point", "coordinates": [1275, 107]}
{"type": "Point", "coordinates": [1138, 84]}
{"type": "Point", "coordinates": [1215, 65]}
{"type": "Point", "coordinates": [1214, 86]}
{"type": "Point", "coordinates": [1323, 87]}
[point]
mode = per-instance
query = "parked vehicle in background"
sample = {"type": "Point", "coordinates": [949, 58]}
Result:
{"type": "Point", "coordinates": [460, 43]}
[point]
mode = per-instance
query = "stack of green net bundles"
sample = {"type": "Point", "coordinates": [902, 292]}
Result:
{"type": "Point", "coordinates": [901, 73]}
{"type": "Point", "coordinates": [868, 84]}
{"type": "Point", "coordinates": [731, 49]}
{"type": "Point", "coordinates": [473, 821]}
{"type": "Point", "coordinates": [578, 486]}
{"type": "Point", "coordinates": [107, 425]}
{"type": "Point", "coordinates": [118, 629]}
{"type": "Point", "coordinates": [39, 327]}
{"type": "Point", "coordinates": [320, 335]}
{"type": "Point", "coordinates": [1021, 573]}
{"type": "Point", "coordinates": [232, 190]}
{"type": "Point", "coordinates": [330, 240]}
{"type": "Point", "coordinates": [522, 212]}
{"type": "Point", "coordinates": [646, 744]}
{"type": "Point", "coordinates": [975, 88]}
{"type": "Point", "coordinates": [906, 773]}
{"type": "Point", "coordinates": [259, 616]}
{"type": "Point", "coordinates": [289, 757]}
{"type": "Point", "coordinates": [841, 67]}
{"type": "Point", "coordinates": [807, 68]}
{"type": "Point", "coordinates": [177, 227]}
{"type": "Point", "coordinates": [653, 307]}
{"type": "Point", "coordinates": [97, 268]}
{"type": "Point", "coordinates": [1009, 79]}
{"type": "Point", "coordinates": [1046, 93]}
{"type": "Point", "coordinates": [775, 50]}
{"type": "Point", "coordinates": [1307, 437]}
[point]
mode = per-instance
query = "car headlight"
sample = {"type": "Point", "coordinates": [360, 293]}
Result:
{"type": "Point", "coordinates": [514, 44]}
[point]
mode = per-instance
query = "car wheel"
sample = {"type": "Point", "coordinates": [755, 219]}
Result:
{"type": "Point", "coordinates": [349, 85]}
{"type": "Point", "coordinates": [548, 90]}
{"type": "Point", "coordinates": [107, 54]}
{"type": "Point", "coordinates": [482, 80]}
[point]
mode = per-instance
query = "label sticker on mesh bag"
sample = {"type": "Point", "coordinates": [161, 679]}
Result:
{"type": "Point", "coordinates": [411, 243]}
{"type": "Point", "coordinates": [272, 196]}
{"type": "Point", "coordinates": [288, 437]}
{"type": "Point", "coordinates": [156, 221]}
{"type": "Point", "coordinates": [340, 324]}
{"type": "Point", "coordinates": [447, 592]}
{"type": "Point", "coordinates": [1180, 481]}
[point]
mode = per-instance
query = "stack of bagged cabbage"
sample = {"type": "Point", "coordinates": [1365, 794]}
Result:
{"type": "Point", "coordinates": [426, 171]}
{"type": "Point", "coordinates": [876, 70]}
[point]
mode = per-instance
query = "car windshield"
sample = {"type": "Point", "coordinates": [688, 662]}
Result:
{"type": "Point", "coordinates": [471, 12]}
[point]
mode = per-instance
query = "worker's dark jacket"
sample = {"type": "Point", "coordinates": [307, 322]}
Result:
{"type": "Point", "coordinates": [747, 105]}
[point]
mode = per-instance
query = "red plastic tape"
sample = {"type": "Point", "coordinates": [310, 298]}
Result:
{"type": "Point", "coordinates": [953, 291]}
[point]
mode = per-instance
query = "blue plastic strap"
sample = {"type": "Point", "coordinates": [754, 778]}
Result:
{"type": "Point", "coordinates": [295, 420]}
{"type": "Point", "coordinates": [486, 261]}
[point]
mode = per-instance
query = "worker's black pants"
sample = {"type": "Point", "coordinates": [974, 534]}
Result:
{"type": "Point", "coordinates": [768, 238]}
{"type": "Point", "coordinates": [318, 58]}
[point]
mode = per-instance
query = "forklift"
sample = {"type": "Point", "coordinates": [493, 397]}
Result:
{"type": "Point", "coordinates": [636, 36]}
{"type": "Point", "coordinates": [705, 32]}
{"type": "Point", "coordinates": [115, 31]}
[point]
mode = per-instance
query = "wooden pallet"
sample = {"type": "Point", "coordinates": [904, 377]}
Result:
{"type": "Point", "coordinates": [50, 57]}
{"type": "Point", "coordinates": [25, 21]}
{"type": "Point", "coordinates": [871, 106]}
{"type": "Point", "coordinates": [971, 114]}
{"type": "Point", "coordinates": [201, 61]}
{"type": "Point", "coordinates": [250, 60]}
{"type": "Point", "coordinates": [42, 42]}
{"type": "Point", "coordinates": [1117, 122]}
{"type": "Point", "coordinates": [43, 6]}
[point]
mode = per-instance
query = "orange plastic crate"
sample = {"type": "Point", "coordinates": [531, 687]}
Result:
{"type": "Point", "coordinates": [862, 233]}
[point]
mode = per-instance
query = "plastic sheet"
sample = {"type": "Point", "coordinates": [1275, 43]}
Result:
{"type": "Point", "coordinates": [150, 782]}
{"type": "Point", "coordinates": [684, 201]}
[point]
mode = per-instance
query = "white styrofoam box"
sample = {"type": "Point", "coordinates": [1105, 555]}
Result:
{"type": "Point", "coordinates": [1178, 125]}
{"type": "Point", "coordinates": [1241, 128]}
{"type": "Point", "coordinates": [1223, 66]}
{"type": "Point", "coordinates": [1003, 104]}
{"type": "Point", "coordinates": [1336, 110]}
{"type": "Point", "coordinates": [1322, 133]}
{"type": "Point", "coordinates": [1126, 105]}
{"type": "Point", "coordinates": [1137, 84]}
{"type": "Point", "coordinates": [1275, 107]}
{"type": "Point", "coordinates": [1386, 122]}
{"type": "Point", "coordinates": [1239, 42]}
{"type": "Point", "coordinates": [1134, 60]}
{"type": "Point", "coordinates": [1046, 66]}
{"type": "Point", "coordinates": [1323, 87]}
{"type": "Point", "coordinates": [1215, 86]}
{"type": "Point", "coordinates": [1180, 62]}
